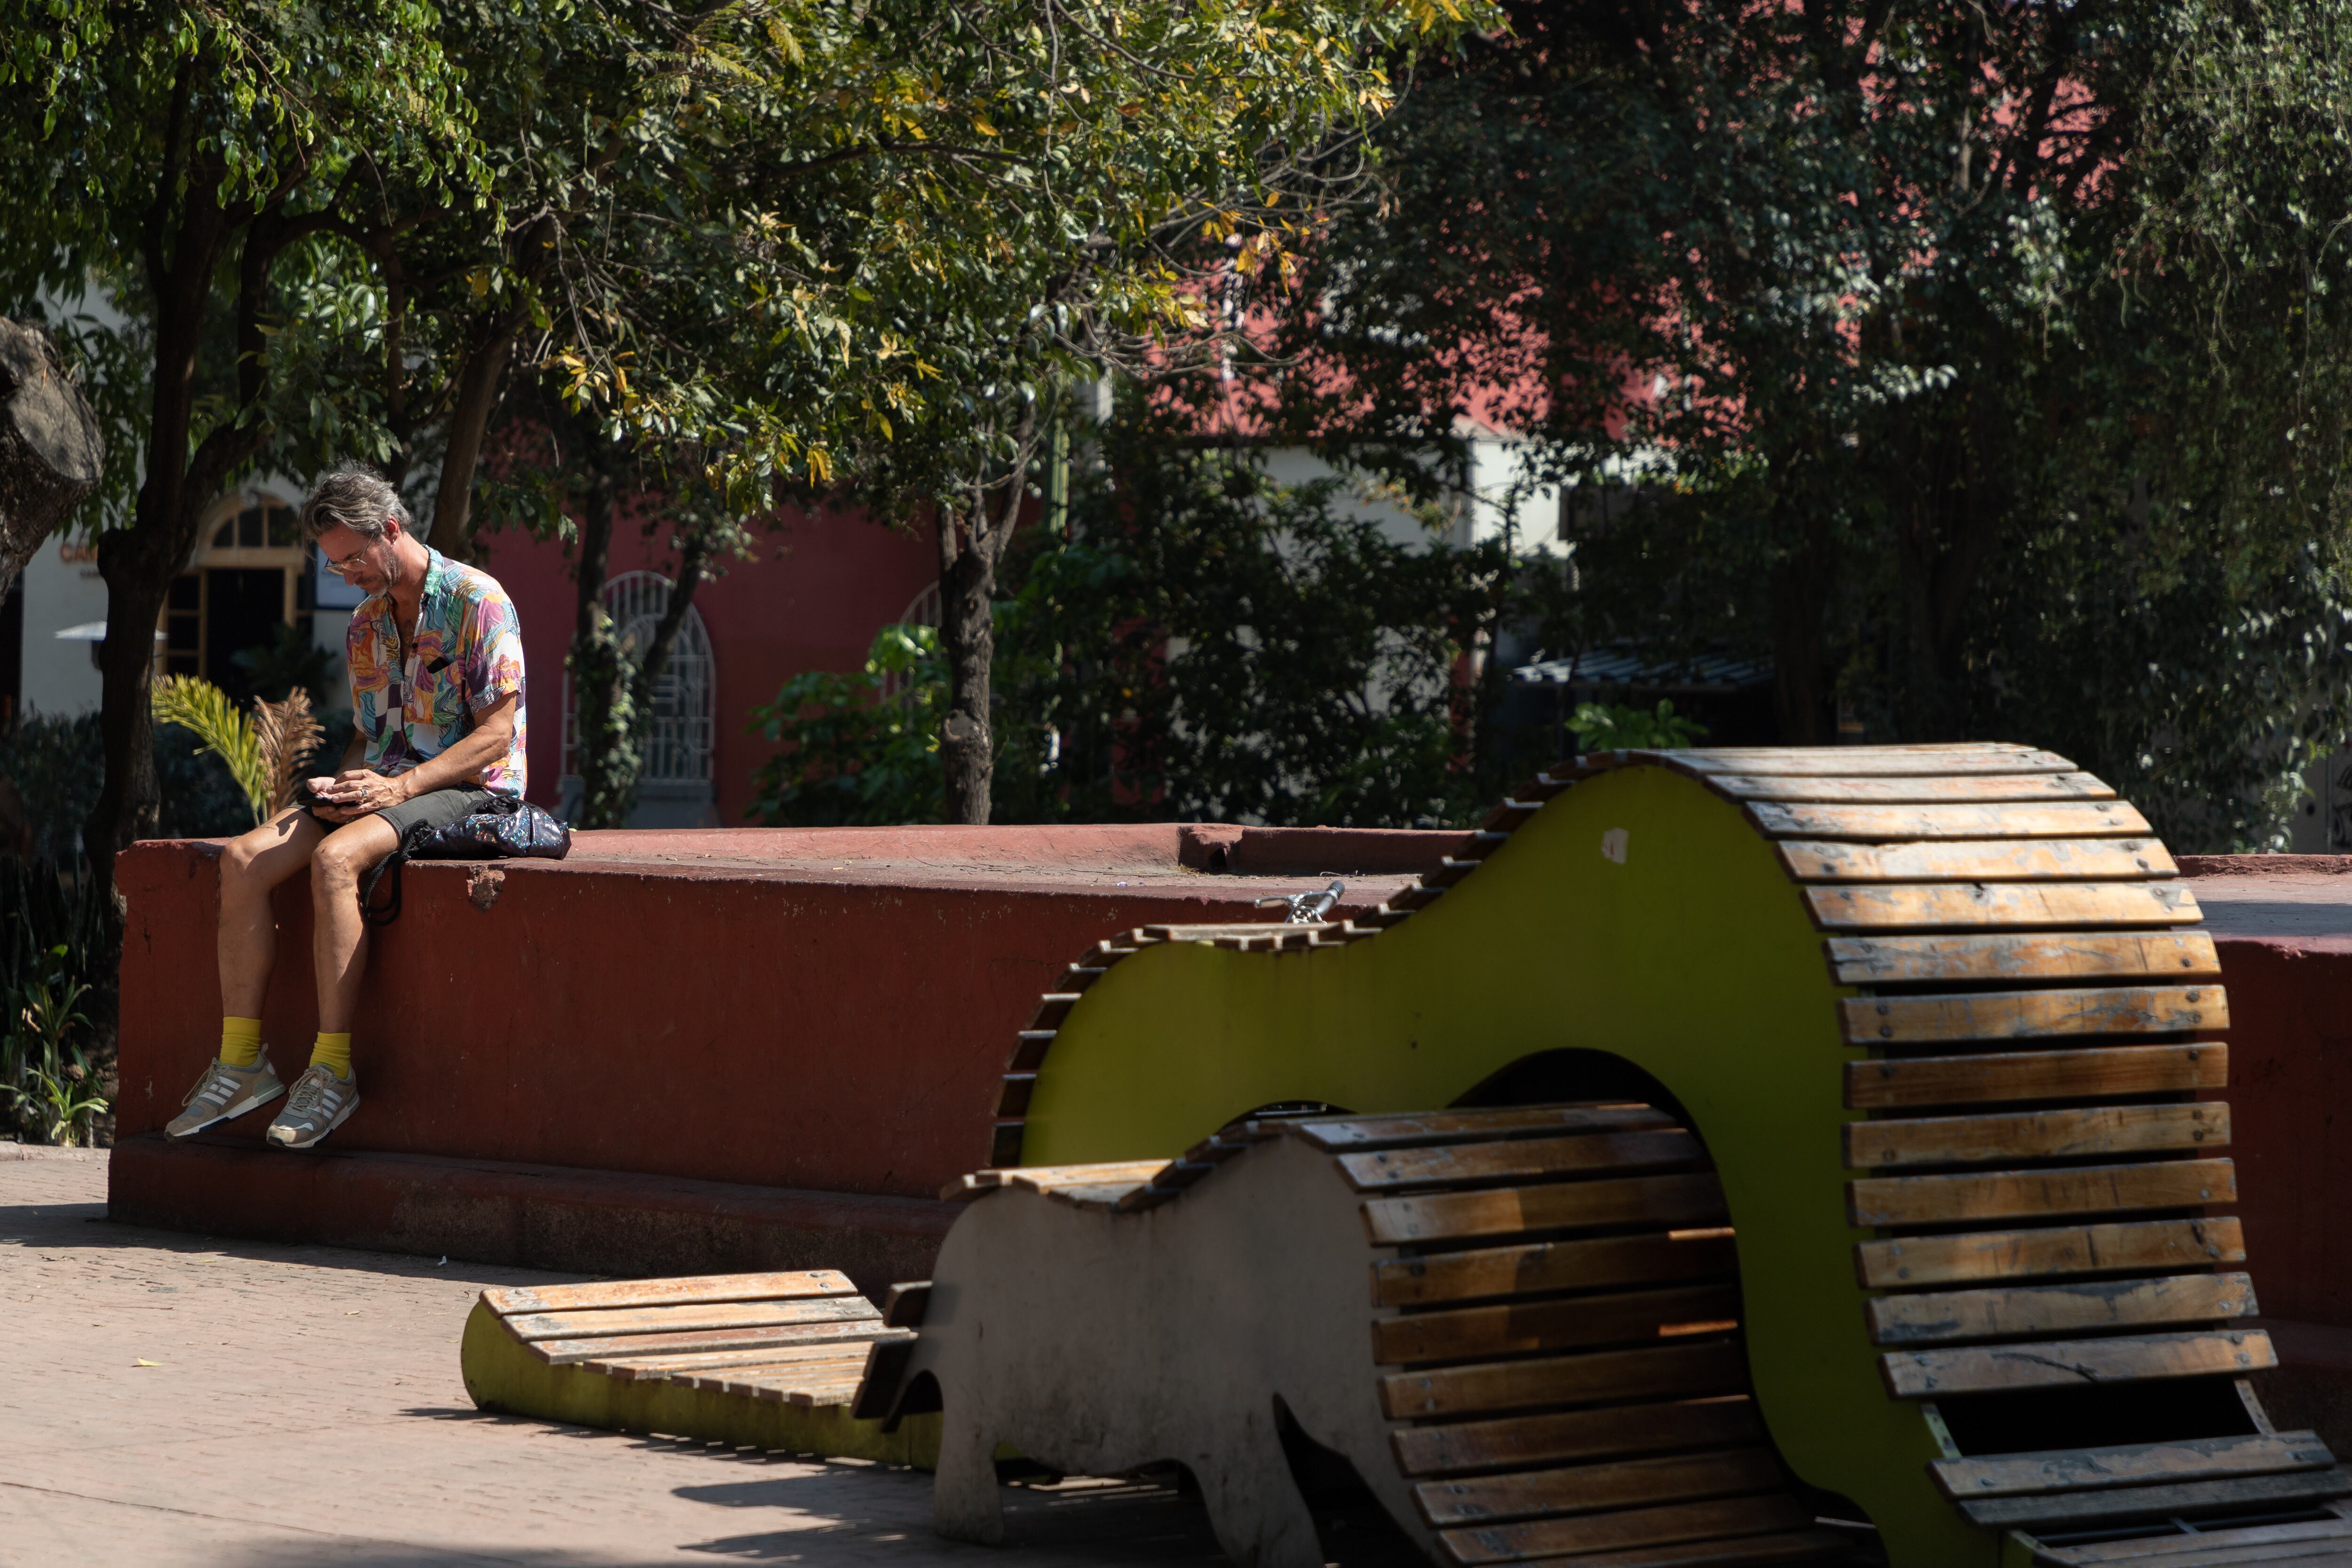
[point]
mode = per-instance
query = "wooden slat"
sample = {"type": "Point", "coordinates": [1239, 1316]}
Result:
{"type": "Point", "coordinates": [1052, 1008]}
{"type": "Point", "coordinates": [2074, 1134]}
{"type": "Point", "coordinates": [2019, 1310]}
{"type": "Point", "coordinates": [1871, 761]}
{"type": "Point", "coordinates": [2147, 1244]}
{"type": "Point", "coordinates": [2023, 1015]}
{"type": "Point", "coordinates": [2313, 1553]}
{"type": "Point", "coordinates": [1444, 1126]}
{"type": "Point", "coordinates": [1045, 1178]}
{"type": "Point", "coordinates": [1593, 1264]}
{"type": "Point", "coordinates": [2079, 1511]}
{"type": "Point", "coordinates": [818, 1398]}
{"type": "Point", "coordinates": [1113, 1173]}
{"type": "Point", "coordinates": [2137, 1463]}
{"type": "Point", "coordinates": [752, 1377]}
{"type": "Point", "coordinates": [1466, 1331]}
{"type": "Point", "coordinates": [2074, 1363]}
{"type": "Point", "coordinates": [907, 1303]}
{"type": "Point", "coordinates": [2154, 1550]}
{"type": "Point", "coordinates": [1585, 1488]}
{"type": "Point", "coordinates": [1668, 1200]}
{"type": "Point", "coordinates": [1626, 1430]}
{"type": "Point", "coordinates": [1809, 1546]}
{"type": "Point", "coordinates": [2046, 955]}
{"type": "Point", "coordinates": [685, 1290]}
{"type": "Point", "coordinates": [1106, 1196]}
{"type": "Point", "coordinates": [1633, 1527]}
{"type": "Point", "coordinates": [609, 1322]}
{"type": "Point", "coordinates": [631, 1367]}
{"type": "Point", "coordinates": [886, 1370]}
{"type": "Point", "coordinates": [1975, 860]}
{"type": "Point", "coordinates": [565, 1352]}
{"type": "Point", "coordinates": [1965, 905]}
{"type": "Point", "coordinates": [1946, 790]}
{"type": "Point", "coordinates": [2038, 820]}
{"type": "Point", "coordinates": [1236, 929]}
{"type": "Point", "coordinates": [2021, 1195]}
{"type": "Point", "coordinates": [1669, 1372]}
{"type": "Point", "coordinates": [1387, 1169]}
{"type": "Point", "coordinates": [2304, 1555]}
{"type": "Point", "coordinates": [2084, 1074]}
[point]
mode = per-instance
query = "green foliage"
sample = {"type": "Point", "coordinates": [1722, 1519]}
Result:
{"type": "Point", "coordinates": [55, 764]}
{"type": "Point", "coordinates": [44, 1073]}
{"type": "Point", "coordinates": [290, 662]}
{"type": "Point", "coordinates": [1604, 727]}
{"type": "Point", "coordinates": [863, 751]}
{"type": "Point", "coordinates": [1214, 646]}
{"type": "Point", "coordinates": [1992, 381]}
{"type": "Point", "coordinates": [248, 113]}
{"type": "Point", "coordinates": [206, 711]}
{"type": "Point", "coordinates": [262, 749]}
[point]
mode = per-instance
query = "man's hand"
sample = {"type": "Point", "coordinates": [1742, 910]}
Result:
{"type": "Point", "coordinates": [356, 792]}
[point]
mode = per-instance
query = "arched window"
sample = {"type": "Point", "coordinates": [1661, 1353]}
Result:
{"type": "Point", "coordinates": [923, 609]}
{"type": "Point", "coordinates": [675, 787]}
{"type": "Point", "coordinates": [249, 579]}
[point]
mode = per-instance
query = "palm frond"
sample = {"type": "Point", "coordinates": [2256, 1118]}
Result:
{"type": "Point", "coordinates": [204, 709]}
{"type": "Point", "coordinates": [285, 732]}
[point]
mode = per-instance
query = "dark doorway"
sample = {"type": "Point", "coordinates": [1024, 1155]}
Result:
{"type": "Point", "coordinates": [244, 607]}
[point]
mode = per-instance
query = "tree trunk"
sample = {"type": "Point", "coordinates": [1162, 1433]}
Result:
{"type": "Point", "coordinates": [623, 769]}
{"type": "Point", "coordinates": [599, 690]}
{"type": "Point", "coordinates": [52, 455]}
{"type": "Point", "coordinates": [1800, 700]}
{"type": "Point", "coordinates": [967, 588]}
{"type": "Point", "coordinates": [479, 380]}
{"type": "Point", "coordinates": [129, 799]}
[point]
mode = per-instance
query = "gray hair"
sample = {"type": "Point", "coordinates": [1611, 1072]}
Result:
{"type": "Point", "coordinates": [353, 497]}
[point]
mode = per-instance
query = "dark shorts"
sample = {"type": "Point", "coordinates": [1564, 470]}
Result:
{"type": "Point", "coordinates": [438, 807]}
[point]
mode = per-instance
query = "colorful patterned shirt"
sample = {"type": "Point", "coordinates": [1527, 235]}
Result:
{"type": "Point", "coordinates": [467, 655]}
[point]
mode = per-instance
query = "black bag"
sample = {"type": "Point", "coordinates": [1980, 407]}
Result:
{"type": "Point", "coordinates": [503, 828]}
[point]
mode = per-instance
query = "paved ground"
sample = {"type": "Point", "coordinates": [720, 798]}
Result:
{"type": "Point", "coordinates": [304, 1406]}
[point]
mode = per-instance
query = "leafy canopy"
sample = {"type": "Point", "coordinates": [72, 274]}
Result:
{"type": "Point", "coordinates": [1986, 369]}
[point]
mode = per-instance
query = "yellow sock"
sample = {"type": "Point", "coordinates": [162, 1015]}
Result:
{"type": "Point", "coordinates": [240, 1041]}
{"type": "Point", "coordinates": [335, 1050]}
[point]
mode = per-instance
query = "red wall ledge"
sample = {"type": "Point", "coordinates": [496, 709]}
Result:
{"type": "Point", "coordinates": [543, 1216]}
{"type": "Point", "coordinates": [814, 1009]}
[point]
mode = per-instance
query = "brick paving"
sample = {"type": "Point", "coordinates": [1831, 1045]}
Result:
{"type": "Point", "coordinates": [304, 1406]}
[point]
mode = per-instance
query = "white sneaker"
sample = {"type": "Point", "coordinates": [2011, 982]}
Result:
{"type": "Point", "coordinates": [320, 1103]}
{"type": "Point", "coordinates": [223, 1093]}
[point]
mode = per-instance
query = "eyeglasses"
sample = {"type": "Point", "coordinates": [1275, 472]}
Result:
{"type": "Point", "coordinates": [343, 568]}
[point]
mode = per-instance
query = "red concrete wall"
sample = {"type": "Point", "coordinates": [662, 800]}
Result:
{"type": "Point", "coordinates": [822, 585]}
{"type": "Point", "coordinates": [830, 1009]}
{"type": "Point", "coordinates": [2291, 1119]}
{"type": "Point", "coordinates": [806, 1009]}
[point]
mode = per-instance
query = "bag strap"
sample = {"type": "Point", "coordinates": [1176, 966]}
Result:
{"type": "Point", "coordinates": [380, 915]}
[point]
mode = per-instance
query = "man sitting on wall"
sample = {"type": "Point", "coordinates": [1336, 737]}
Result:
{"type": "Point", "coordinates": [435, 656]}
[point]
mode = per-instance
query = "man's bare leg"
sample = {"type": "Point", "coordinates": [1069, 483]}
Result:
{"type": "Point", "coordinates": [241, 1078]}
{"type": "Point", "coordinates": [339, 942]}
{"type": "Point", "coordinates": [251, 866]}
{"type": "Point", "coordinates": [327, 1091]}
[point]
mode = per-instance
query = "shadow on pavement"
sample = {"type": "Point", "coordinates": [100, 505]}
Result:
{"type": "Point", "coordinates": [84, 1227]}
{"type": "Point", "coordinates": [1079, 1521]}
{"type": "Point", "coordinates": [349, 1553]}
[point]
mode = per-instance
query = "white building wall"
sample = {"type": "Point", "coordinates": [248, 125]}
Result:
{"type": "Point", "coordinates": [1498, 479]}
{"type": "Point", "coordinates": [62, 589]}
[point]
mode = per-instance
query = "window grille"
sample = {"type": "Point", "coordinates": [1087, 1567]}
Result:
{"type": "Point", "coordinates": [678, 748]}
